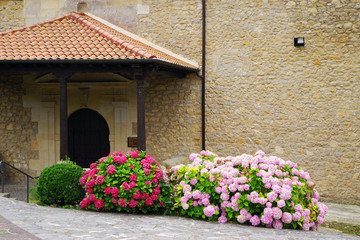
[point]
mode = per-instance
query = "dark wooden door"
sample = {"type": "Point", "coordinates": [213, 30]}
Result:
{"type": "Point", "coordinates": [88, 137]}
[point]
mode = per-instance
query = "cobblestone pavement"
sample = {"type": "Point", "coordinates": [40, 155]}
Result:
{"type": "Point", "coordinates": [30, 221]}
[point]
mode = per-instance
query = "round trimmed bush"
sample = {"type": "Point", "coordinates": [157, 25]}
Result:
{"type": "Point", "coordinates": [131, 182]}
{"type": "Point", "coordinates": [257, 190]}
{"type": "Point", "coordinates": [59, 184]}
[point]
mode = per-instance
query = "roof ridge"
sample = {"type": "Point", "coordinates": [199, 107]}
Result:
{"type": "Point", "coordinates": [140, 39]}
{"type": "Point", "coordinates": [109, 36]}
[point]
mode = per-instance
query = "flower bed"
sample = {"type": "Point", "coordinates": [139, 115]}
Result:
{"type": "Point", "coordinates": [256, 189]}
{"type": "Point", "coordinates": [131, 182]}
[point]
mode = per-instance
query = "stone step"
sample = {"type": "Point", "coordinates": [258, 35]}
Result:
{"type": "Point", "coordinates": [7, 195]}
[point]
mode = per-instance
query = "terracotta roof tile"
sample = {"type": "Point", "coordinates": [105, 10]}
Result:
{"type": "Point", "coordinates": [81, 36]}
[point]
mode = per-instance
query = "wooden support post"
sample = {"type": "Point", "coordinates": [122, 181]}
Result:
{"type": "Point", "coordinates": [63, 76]}
{"type": "Point", "coordinates": [140, 73]}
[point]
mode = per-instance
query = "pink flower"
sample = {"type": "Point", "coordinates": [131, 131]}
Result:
{"type": "Point", "coordinates": [99, 180]}
{"type": "Point", "coordinates": [154, 197]}
{"type": "Point", "coordinates": [161, 203]}
{"type": "Point", "coordinates": [92, 198]}
{"type": "Point", "coordinates": [195, 203]}
{"type": "Point", "coordinates": [320, 219]}
{"type": "Point", "coordinates": [193, 181]}
{"type": "Point", "coordinates": [188, 195]}
{"type": "Point", "coordinates": [205, 202]}
{"type": "Point", "coordinates": [122, 160]}
{"type": "Point", "coordinates": [102, 159]}
{"type": "Point", "coordinates": [286, 217]}
{"type": "Point", "coordinates": [99, 204]}
{"type": "Point", "coordinates": [149, 201]}
{"type": "Point", "coordinates": [157, 191]}
{"type": "Point", "coordinates": [111, 170]}
{"type": "Point", "coordinates": [93, 165]}
{"type": "Point", "coordinates": [196, 194]}
{"type": "Point", "coordinates": [222, 219]}
{"type": "Point", "coordinates": [107, 190]}
{"type": "Point", "coordinates": [281, 203]}
{"type": "Point", "coordinates": [154, 180]}
{"type": "Point", "coordinates": [277, 213]}
{"type": "Point", "coordinates": [277, 224]}
{"type": "Point", "coordinates": [306, 226]}
{"type": "Point", "coordinates": [271, 196]}
{"type": "Point", "coordinates": [147, 182]}
{"type": "Point", "coordinates": [117, 160]}
{"type": "Point", "coordinates": [298, 208]}
{"type": "Point", "coordinates": [133, 177]}
{"type": "Point", "coordinates": [144, 196]}
{"type": "Point", "coordinates": [224, 196]}
{"type": "Point", "coordinates": [132, 203]}
{"type": "Point", "coordinates": [137, 195]}
{"type": "Point", "coordinates": [134, 155]}
{"type": "Point", "coordinates": [115, 192]}
{"type": "Point", "coordinates": [296, 216]}
{"type": "Point", "coordinates": [114, 201]}
{"type": "Point", "coordinates": [147, 171]}
{"type": "Point", "coordinates": [91, 183]}
{"type": "Point", "coordinates": [132, 166]}
{"type": "Point", "coordinates": [285, 194]}
{"type": "Point", "coordinates": [209, 211]}
{"type": "Point", "coordinates": [122, 203]}
{"type": "Point", "coordinates": [83, 204]}
{"type": "Point", "coordinates": [268, 212]}
{"type": "Point", "coordinates": [266, 219]}
{"type": "Point", "coordinates": [241, 218]}
{"type": "Point", "coordinates": [94, 172]}
{"type": "Point", "coordinates": [89, 190]}
{"type": "Point", "coordinates": [82, 180]}
{"type": "Point", "coordinates": [243, 180]}
{"type": "Point", "coordinates": [132, 185]}
{"type": "Point", "coordinates": [255, 220]}
{"type": "Point", "coordinates": [125, 186]}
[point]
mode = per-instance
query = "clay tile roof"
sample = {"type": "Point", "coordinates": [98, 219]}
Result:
{"type": "Point", "coordinates": [81, 36]}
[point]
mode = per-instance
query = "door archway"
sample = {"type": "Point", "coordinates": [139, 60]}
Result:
{"type": "Point", "coordinates": [88, 134]}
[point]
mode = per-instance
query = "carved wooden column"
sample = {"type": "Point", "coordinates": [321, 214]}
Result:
{"type": "Point", "coordinates": [140, 74]}
{"type": "Point", "coordinates": [63, 76]}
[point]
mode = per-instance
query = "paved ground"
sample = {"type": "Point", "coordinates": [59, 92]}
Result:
{"type": "Point", "coordinates": [28, 221]}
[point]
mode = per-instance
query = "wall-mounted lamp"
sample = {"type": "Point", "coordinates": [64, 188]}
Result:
{"type": "Point", "coordinates": [299, 41]}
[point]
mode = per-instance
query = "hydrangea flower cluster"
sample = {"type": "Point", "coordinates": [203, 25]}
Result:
{"type": "Point", "coordinates": [128, 182]}
{"type": "Point", "coordinates": [256, 189]}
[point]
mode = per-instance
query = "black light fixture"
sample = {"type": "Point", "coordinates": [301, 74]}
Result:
{"type": "Point", "coordinates": [299, 41]}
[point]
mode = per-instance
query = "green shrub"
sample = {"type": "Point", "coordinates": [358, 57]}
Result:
{"type": "Point", "coordinates": [59, 184]}
{"type": "Point", "coordinates": [131, 182]}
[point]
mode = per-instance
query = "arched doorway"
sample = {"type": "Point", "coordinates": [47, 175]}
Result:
{"type": "Point", "coordinates": [88, 137]}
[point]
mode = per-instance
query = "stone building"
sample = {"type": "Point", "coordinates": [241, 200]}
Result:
{"type": "Point", "coordinates": [301, 103]}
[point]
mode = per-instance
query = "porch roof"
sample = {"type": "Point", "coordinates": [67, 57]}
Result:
{"type": "Point", "coordinates": [83, 38]}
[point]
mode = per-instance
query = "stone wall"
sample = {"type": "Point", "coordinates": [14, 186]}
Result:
{"type": "Point", "coordinates": [11, 14]}
{"type": "Point", "coordinates": [299, 103]}
{"type": "Point", "coordinates": [173, 117]}
{"type": "Point", "coordinates": [17, 132]}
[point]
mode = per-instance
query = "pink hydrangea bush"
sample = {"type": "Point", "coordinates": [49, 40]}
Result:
{"type": "Point", "coordinates": [258, 190]}
{"type": "Point", "coordinates": [131, 182]}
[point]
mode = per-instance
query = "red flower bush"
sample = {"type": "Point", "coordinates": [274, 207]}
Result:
{"type": "Point", "coordinates": [131, 182]}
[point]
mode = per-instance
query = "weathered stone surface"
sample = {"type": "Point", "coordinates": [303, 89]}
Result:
{"type": "Point", "coordinates": [11, 14]}
{"type": "Point", "coordinates": [176, 161]}
{"type": "Point", "coordinates": [173, 117]}
{"type": "Point", "coordinates": [16, 128]}
{"type": "Point", "coordinates": [301, 104]}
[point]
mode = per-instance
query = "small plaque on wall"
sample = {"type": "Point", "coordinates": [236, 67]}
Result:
{"type": "Point", "coordinates": [132, 142]}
